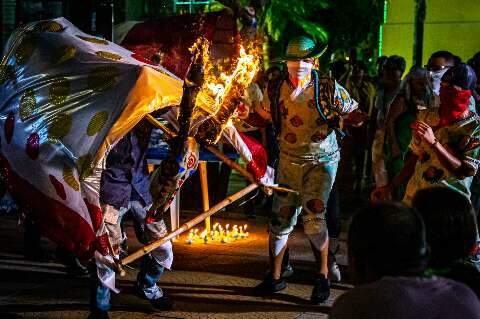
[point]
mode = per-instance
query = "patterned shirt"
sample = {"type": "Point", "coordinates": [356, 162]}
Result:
{"type": "Point", "coordinates": [304, 133]}
{"type": "Point", "coordinates": [462, 139]}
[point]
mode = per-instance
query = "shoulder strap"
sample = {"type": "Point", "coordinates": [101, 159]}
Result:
{"type": "Point", "coordinates": [324, 100]}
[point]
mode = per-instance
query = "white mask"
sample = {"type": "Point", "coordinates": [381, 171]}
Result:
{"type": "Point", "coordinates": [437, 79]}
{"type": "Point", "coordinates": [303, 70]}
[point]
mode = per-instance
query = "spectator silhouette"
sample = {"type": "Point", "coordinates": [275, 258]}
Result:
{"type": "Point", "coordinates": [451, 230]}
{"type": "Point", "coordinates": [388, 256]}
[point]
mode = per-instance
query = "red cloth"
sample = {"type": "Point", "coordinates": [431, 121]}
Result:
{"type": "Point", "coordinates": [258, 165]}
{"type": "Point", "coordinates": [453, 104]}
{"type": "Point", "coordinates": [57, 221]}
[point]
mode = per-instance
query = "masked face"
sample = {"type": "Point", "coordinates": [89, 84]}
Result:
{"type": "Point", "coordinates": [436, 77]}
{"type": "Point", "coordinates": [299, 70]}
{"type": "Point", "coordinates": [453, 103]}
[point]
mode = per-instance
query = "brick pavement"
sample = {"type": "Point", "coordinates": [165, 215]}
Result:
{"type": "Point", "coordinates": [208, 281]}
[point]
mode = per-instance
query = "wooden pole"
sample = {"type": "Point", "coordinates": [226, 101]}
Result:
{"type": "Point", "coordinates": [193, 222]}
{"type": "Point", "coordinates": [202, 167]}
{"type": "Point", "coordinates": [168, 132]}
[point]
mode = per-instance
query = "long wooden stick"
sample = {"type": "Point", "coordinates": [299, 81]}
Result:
{"type": "Point", "coordinates": [200, 218]}
{"type": "Point", "coordinates": [158, 124]}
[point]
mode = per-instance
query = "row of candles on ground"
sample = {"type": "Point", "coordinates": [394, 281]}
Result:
{"type": "Point", "coordinates": [218, 233]}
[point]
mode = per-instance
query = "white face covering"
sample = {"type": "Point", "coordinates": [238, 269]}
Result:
{"type": "Point", "coordinates": [437, 79]}
{"type": "Point", "coordinates": [299, 69]}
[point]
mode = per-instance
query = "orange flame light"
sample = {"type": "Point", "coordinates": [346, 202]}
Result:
{"type": "Point", "coordinates": [218, 234]}
{"type": "Point", "coordinates": [224, 84]}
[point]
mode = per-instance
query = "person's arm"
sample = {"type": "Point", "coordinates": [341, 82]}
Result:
{"type": "Point", "coordinates": [451, 162]}
{"type": "Point", "coordinates": [385, 192]}
{"type": "Point", "coordinates": [347, 107]}
{"type": "Point", "coordinates": [396, 109]}
{"type": "Point", "coordinates": [262, 106]}
{"type": "Point", "coordinates": [407, 171]}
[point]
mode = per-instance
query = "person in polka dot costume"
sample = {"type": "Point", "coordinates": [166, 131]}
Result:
{"type": "Point", "coordinates": [309, 156]}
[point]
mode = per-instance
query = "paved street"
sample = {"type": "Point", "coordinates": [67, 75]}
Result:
{"type": "Point", "coordinates": [208, 281]}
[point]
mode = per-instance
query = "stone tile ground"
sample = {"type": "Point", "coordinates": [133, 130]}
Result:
{"type": "Point", "coordinates": [208, 281]}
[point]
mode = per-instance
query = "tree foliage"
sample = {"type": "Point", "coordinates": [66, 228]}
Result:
{"type": "Point", "coordinates": [283, 20]}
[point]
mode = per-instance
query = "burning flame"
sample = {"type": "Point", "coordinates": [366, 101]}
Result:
{"type": "Point", "coordinates": [222, 83]}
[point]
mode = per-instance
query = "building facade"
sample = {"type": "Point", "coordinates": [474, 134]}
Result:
{"type": "Point", "coordinates": [449, 25]}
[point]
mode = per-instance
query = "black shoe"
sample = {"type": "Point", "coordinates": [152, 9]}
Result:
{"type": "Point", "coordinates": [321, 290]}
{"type": "Point", "coordinates": [76, 269]}
{"type": "Point", "coordinates": [162, 303]}
{"type": "Point", "coordinates": [73, 266]}
{"type": "Point", "coordinates": [98, 314]}
{"type": "Point", "coordinates": [269, 286]}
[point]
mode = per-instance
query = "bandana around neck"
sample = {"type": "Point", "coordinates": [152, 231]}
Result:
{"type": "Point", "coordinates": [453, 104]}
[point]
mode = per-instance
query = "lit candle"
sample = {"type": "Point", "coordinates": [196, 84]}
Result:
{"type": "Point", "coordinates": [235, 232]}
{"type": "Point", "coordinates": [242, 234]}
{"type": "Point", "coordinates": [190, 237]}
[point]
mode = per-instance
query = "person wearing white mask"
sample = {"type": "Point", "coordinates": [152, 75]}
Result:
{"type": "Point", "coordinates": [306, 108]}
{"type": "Point", "coordinates": [438, 63]}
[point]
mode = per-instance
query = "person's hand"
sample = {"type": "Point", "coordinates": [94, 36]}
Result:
{"type": "Point", "coordinates": [356, 118]}
{"type": "Point", "coordinates": [381, 193]}
{"type": "Point", "coordinates": [423, 131]}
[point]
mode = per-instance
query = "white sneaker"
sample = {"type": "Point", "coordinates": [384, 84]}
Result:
{"type": "Point", "coordinates": [334, 273]}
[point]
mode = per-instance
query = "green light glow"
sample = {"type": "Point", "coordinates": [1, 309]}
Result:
{"type": "Point", "coordinates": [380, 40]}
{"type": "Point", "coordinates": [385, 4]}
{"type": "Point", "coordinates": [380, 31]}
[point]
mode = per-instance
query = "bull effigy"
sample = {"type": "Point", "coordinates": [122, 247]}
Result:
{"type": "Point", "coordinates": [67, 99]}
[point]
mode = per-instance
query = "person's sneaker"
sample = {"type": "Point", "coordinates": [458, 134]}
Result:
{"type": "Point", "coordinates": [269, 286]}
{"type": "Point", "coordinates": [156, 296]}
{"type": "Point", "coordinates": [334, 273]}
{"type": "Point", "coordinates": [321, 290]}
{"type": "Point", "coordinates": [98, 314]}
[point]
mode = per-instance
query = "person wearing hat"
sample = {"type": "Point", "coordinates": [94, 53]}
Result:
{"type": "Point", "coordinates": [306, 108]}
{"type": "Point", "coordinates": [445, 153]}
